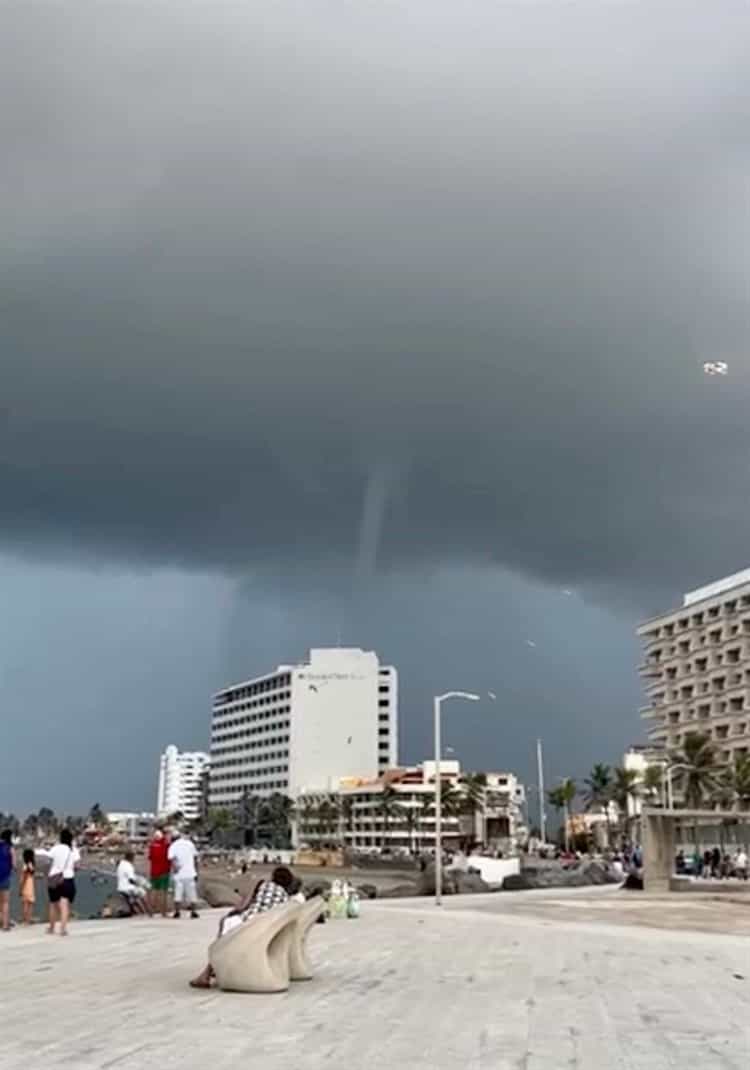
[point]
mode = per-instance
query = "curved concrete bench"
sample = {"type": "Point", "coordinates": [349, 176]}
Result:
{"type": "Point", "coordinates": [299, 964]}
{"type": "Point", "coordinates": [255, 956]}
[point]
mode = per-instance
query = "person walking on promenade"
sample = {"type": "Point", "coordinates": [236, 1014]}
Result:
{"type": "Point", "coordinates": [183, 858]}
{"type": "Point", "coordinates": [27, 890]}
{"type": "Point", "coordinates": [740, 864]}
{"type": "Point", "coordinates": [6, 875]}
{"type": "Point", "coordinates": [265, 896]}
{"type": "Point", "coordinates": [61, 883]}
{"type": "Point", "coordinates": [158, 857]}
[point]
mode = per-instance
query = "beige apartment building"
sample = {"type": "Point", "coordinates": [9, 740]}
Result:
{"type": "Point", "coordinates": [696, 668]}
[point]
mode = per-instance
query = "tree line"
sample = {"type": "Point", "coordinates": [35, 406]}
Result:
{"type": "Point", "coordinates": [700, 778]}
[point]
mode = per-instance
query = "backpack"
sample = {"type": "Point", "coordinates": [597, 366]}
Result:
{"type": "Point", "coordinates": [5, 861]}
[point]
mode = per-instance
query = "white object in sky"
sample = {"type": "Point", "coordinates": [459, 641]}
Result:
{"type": "Point", "coordinates": [716, 367]}
{"type": "Point", "coordinates": [530, 642]}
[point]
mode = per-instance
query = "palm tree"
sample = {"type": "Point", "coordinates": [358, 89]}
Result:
{"type": "Point", "coordinates": [47, 821]}
{"type": "Point", "coordinates": [474, 787]}
{"type": "Point", "coordinates": [308, 807]}
{"type": "Point", "coordinates": [734, 783]}
{"type": "Point", "coordinates": [699, 770]}
{"type": "Point", "coordinates": [218, 820]}
{"type": "Point", "coordinates": [426, 804]}
{"type": "Point", "coordinates": [277, 816]}
{"type": "Point", "coordinates": [31, 826]}
{"type": "Point", "coordinates": [410, 818]}
{"type": "Point", "coordinates": [624, 788]}
{"type": "Point", "coordinates": [653, 782]}
{"type": "Point", "coordinates": [561, 798]}
{"type": "Point", "coordinates": [97, 816]}
{"type": "Point", "coordinates": [346, 814]}
{"type": "Point", "coordinates": [248, 816]}
{"type": "Point", "coordinates": [388, 808]}
{"type": "Point", "coordinates": [328, 816]}
{"type": "Point", "coordinates": [10, 822]}
{"type": "Point", "coordinates": [598, 792]}
{"type": "Point", "coordinates": [555, 799]}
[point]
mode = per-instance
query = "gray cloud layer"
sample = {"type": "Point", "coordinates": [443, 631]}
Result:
{"type": "Point", "coordinates": [324, 293]}
{"type": "Point", "coordinates": [252, 255]}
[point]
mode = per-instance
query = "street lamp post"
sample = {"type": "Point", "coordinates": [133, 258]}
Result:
{"type": "Point", "coordinates": [438, 701]}
{"type": "Point", "coordinates": [669, 769]}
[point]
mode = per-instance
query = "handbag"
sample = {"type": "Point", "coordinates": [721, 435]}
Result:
{"type": "Point", "coordinates": [56, 879]}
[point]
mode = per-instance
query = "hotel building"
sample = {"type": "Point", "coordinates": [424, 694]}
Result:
{"type": "Point", "coordinates": [294, 730]}
{"type": "Point", "coordinates": [696, 669]}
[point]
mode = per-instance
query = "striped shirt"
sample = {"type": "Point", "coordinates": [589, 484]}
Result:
{"type": "Point", "coordinates": [269, 895]}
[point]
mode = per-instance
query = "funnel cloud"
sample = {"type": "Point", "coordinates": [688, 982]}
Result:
{"type": "Point", "coordinates": [250, 252]}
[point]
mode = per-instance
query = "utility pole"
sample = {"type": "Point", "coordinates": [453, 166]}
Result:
{"type": "Point", "coordinates": [540, 779]}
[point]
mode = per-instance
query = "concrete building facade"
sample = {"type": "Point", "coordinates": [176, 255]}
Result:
{"type": "Point", "coordinates": [295, 729]}
{"type": "Point", "coordinates": [181, 783]}
{"type": "Point", "coordinates": [696, 669]}
{"type": "Point", "coordinates": [135, 825]}
{"type": "Point", "coordinates": [357, 816]}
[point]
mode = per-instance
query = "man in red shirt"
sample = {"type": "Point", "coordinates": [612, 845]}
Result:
{"type": "Point", "coordinates": [159, 872]}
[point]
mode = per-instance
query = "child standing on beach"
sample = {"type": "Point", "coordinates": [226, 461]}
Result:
{"type": "Point", "coordinates": [26, 889]}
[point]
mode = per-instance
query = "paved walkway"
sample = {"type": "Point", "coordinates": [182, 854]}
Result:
{"type": "Point", "coordinates": [475, 986]}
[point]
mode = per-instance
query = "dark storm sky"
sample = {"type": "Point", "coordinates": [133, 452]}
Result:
{"type": "Point", "coordinates": [364, 319]}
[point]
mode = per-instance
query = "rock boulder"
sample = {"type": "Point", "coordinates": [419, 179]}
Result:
{"type": "Point", "coordinates": [218, 893]}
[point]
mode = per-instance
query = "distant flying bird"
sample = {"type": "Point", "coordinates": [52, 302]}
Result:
{"type": "Point", "coordinates": [349, 739]}
{"type": "Point", "coordinates": [313, 688]}
{"type": "Point", "coordinates": [530, 642]}
{"type": "Point", "coordinates": [492, 695]}
{"type": "Point", "coordinates": [566, 591]}
{"type": "Point", "coordinates": [715, 367]}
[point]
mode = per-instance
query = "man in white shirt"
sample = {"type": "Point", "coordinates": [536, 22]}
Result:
{"type": "Point", "coordinates": [128, 885]}
{"type": "Point", "coordinates": [184, 859]}
{"type": "Point", "coordinates": [740, 864]}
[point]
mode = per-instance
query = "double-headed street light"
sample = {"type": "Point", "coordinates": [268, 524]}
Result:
{"type": "Point", "coordinates": [438, 701]}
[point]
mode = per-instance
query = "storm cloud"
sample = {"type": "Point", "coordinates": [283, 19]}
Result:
{"type": "Point", "coordinates": [318, 292]}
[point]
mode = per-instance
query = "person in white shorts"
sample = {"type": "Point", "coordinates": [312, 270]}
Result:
{"type": "Point", "coordinates": [184, 859]}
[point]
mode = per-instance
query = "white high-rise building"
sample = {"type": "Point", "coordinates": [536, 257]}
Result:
{"type": "Point", "coordinates": [181, 778]}
{"type": "Point", "coordinates": [696, 669]}
{"type": "Point", "coordinates": [302, 727]}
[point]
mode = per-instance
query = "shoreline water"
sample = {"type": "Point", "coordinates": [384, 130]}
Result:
{"type": "Point", "coordinates": [93, 886]}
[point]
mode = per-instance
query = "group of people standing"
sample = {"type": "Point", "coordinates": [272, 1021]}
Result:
{"type": "Point", "coordinates": [714, 864]}
{"type": "Point", "coordinates": [61, 886]}
{"type": "Point", "coordinates": [172, 861]}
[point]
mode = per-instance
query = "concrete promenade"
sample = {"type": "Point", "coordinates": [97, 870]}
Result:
{"type": "Point", "coordinates": [552, 981]}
